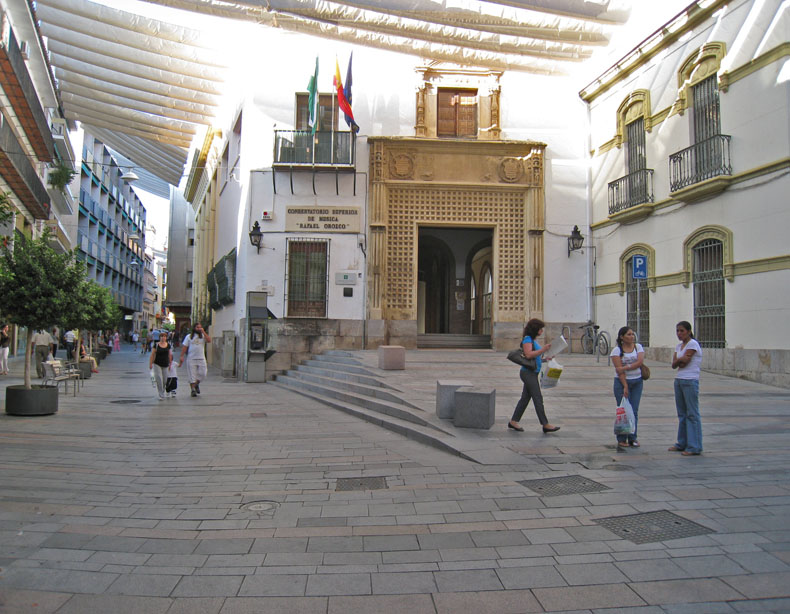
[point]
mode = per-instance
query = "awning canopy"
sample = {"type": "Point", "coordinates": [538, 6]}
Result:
{"type": "Point", "coordinates": [145, 86]}
{"type": "Point", "coordinates": [142, 86]}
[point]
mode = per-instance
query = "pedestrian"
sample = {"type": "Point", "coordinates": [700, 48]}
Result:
{"type": "Point", "coordinates": [56, 341]}
{"type": "Point", "coordinates": [160, 361]}
{"type": "Point", "coordinates": [42, 342]}
{"type": "Point", "coordinates": [135, 339]}
{"type": "Point", "coordinates": [687, 359]}
{"type": "Point", "coordinates": [171, 386]}
{"type": "Point", "coordinates": [193, 347]}
{"type": "Point", "coordinates": [5, 341]}
{"type": "Point", "coordinates": [144, 337]}
{"type": "Point", "coordinates": [116, 342]}
{"type": "Point", "coordinates": [71, 338]}
{"type": "Point", "coordinates": [627, 358]}
{"type": "Point", "coordinates": [532, 349]}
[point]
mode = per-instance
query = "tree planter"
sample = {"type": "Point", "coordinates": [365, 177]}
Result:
{"type": "Point", "coordinates": [103, 353]}
{"type": "Point", "coordinates": [85, 368]}
{"type": "Point", "coordinates": [38, 401]}
{"type": "Point", "coordinates": [98, 357]}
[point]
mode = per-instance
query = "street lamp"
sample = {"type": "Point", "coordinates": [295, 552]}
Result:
{"type": "Point", "coordinates": [575, 241]}
{"type": "Point", "coordinates": [256, 236]}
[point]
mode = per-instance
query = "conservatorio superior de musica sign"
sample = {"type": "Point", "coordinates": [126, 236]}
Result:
{"type": "Point", "coordinates": [322, 219]}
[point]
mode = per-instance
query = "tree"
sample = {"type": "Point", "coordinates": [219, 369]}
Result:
{"type": "Point", "coordinates": [6, 208]}
{"type": "Point", "coordinates": [40, 287]}
{"type": "Point", "coordinates": [98, 309]}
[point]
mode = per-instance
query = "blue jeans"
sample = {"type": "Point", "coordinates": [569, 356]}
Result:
{"type": "Point", "coordinates": [634, 396]}
{"type": "Point", "coordinates": [689, 421]}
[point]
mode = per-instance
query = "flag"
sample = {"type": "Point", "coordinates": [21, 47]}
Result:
{"type": "Point", "coordinates": [343, 102]}
{"type": "Point", "coordinates": [312, 101]}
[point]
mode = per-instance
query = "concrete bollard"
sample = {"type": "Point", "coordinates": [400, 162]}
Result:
{"type": "Point", "coordinates": [475, 408]}
{"type": "Point", "coordinates": [445, 396]}
{"type": "Point", "coordinates": [392, 357]}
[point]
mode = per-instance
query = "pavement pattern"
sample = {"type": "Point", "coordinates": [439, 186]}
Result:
{"type": "Point", "coordinates": [228, 503]}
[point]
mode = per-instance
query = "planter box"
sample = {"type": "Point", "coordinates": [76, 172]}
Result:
{"type": "Point", "coordinates": [98, 357]}
{"type": "Point", "coordinates": [103, 352]}
{"type": "Point", "coordinates": [85, 367]}
{"type": "Point", "coordinates": [38, 401]}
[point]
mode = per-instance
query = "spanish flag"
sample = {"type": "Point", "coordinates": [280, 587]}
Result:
{"type": "Point", "coordinates": [344, 95]}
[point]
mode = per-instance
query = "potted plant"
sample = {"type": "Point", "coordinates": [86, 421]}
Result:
{"type": "Point", "coordinates": [98, 310]}
{"type": "Point", "coordinates": [39, 288]}
{"type": "Point", "coordinates": [60, 176]}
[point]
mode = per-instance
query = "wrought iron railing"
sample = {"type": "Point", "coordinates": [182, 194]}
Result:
{"type": "Point", "coordinates": [325, 148]}
{"type": "Point", "coordinates": [633, 189]}
{"type": "Point", "coordinates": [704, 160]}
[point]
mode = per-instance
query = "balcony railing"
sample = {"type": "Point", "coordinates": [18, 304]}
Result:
{"type": "Point", "coordinates": [703, 160]}
{"type": "Point", "coordinates": [327, 148]}
{"type": "Point", "coordinates": [633, 189]}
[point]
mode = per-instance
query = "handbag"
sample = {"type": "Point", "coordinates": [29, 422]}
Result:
{"type": "Point", "coordinates": [517, 356]}
{"type": "Point", "coordinates": [645, 372]}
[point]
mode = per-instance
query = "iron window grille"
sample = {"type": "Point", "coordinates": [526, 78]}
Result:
{"type": "Point", "coordinates": [306, 277]}
{"type": "Point", "coordinates": [637, 320]}
{"type": "Point", "coordinates": [708, 279]}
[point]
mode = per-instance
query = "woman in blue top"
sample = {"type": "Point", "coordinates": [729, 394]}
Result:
{"type": "Point", "coordinates": [532, 349]}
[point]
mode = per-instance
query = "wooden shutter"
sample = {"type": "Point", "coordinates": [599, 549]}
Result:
{"type": "Point", "coordinates": [445, 116]}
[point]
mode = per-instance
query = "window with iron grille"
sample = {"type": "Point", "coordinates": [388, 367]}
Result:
{"type": "Point", "coordinates": [456, 113]}
{"type": "Point", "coordinates": [707, 125]}
{"type": "Point", "coordinates": [637, 311]}
{"type": "Point", "coordinates": [636, 152]}
{"type": "Point", "coordinates": [306, 277]}
{"type": "Point", "coordinates": [708, 278]}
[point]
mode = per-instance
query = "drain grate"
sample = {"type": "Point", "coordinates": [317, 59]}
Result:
{"type": "Point", "coordinates": [261, 507]}
{"type": "Point", "coordinates": [125, 401]}
{"type": "Point", "coordinates": [651, 527]}
{"type": "Point", "coordinates": [360, 483]}
{"type": "Point", "coordinates": [568, 485]}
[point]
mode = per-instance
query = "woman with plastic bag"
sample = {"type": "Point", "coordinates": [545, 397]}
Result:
{"type": "Point", "coordinates": [532, 349]}
{"type": "Point", "coordinates": [627, 358]}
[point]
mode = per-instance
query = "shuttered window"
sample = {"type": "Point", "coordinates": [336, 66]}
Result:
{"type": "Point", "coordinates": [456, 113]}
{"type": "Point", "coordinates": [327, 112]}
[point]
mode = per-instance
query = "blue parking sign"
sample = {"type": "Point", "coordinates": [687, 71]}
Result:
{"type": "Point", "coordinates": [639, 267]}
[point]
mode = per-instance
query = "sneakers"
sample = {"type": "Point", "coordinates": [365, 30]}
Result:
{"type": "Point", "coordinates": [193, 393]}
{"type": "Point", "coordinates": [197, 388]}
{"type": "Point", "coordinates": [173, 394]}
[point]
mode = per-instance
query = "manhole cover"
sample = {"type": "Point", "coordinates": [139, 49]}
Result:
{"type": "Point", "coordinates": [568, 485]}
{"type": "Point", "coordinates": [360, 483]}
{"type": "Point", "coordinates": [125, 401]}
{"type": "Point", "coordinates": [261, 507]}
{"type": "Point", "coordinates": [652, 527]}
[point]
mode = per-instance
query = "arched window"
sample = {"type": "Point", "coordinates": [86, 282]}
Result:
{"type": "Point", "coordinates": [637, 301]}
{"type": "Point", "coordinates": [708, 283]}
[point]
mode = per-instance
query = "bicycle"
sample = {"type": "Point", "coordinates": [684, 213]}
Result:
{"type": "Point", "coordinates": [594, 338]}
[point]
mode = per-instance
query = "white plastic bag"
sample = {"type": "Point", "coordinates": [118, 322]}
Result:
{"type": "Point", "coordinates": [153, 378]}
{"type": "Point", "coordinates": [624, 422]}
{"type": "Point", "coordinates": [551, 374]}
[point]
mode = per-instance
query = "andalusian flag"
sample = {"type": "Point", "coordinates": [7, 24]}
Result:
{"type": "Point", "coordinates": [312, 101]}
{"type": "Point", "coordinates": [343, 100]}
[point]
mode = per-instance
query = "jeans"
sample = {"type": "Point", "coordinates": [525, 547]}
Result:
{"type": "Point", "coordinates": [160, 375]}
{"type": "Point", "coordinates": [634, 396]}
{"type": "Point", "coordinates": [531, 391]}
{"type": "Point", "coordinates": [689, 421]}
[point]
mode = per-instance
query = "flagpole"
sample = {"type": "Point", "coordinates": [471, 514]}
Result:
{"type": "Point", "coordinates": [334, 95]}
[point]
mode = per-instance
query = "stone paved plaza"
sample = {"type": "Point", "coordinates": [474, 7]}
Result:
{"type": "Point", "coordinates": [230, 503]}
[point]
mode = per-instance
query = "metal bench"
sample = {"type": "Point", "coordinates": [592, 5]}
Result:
{"type": "Point", "coordinates": [54, 375]}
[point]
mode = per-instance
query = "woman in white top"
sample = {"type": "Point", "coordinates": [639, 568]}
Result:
{"type": "Point", "coordinates": [687, 359]}
{"type": "Point", "coordinates": [194, 349]}
{"type": "Point", "coordinates": [627, 358]}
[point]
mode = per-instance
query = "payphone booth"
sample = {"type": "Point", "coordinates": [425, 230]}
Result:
{"type": "Point", "coordinates": [257, 337]}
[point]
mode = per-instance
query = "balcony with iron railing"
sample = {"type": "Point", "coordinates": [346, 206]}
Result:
{"type": "Point", "coordinates": [634, 189]}
{"type": "Point", "coordinates": [703, 161]}
{"type": "Point", "coordinates": [327, 148]}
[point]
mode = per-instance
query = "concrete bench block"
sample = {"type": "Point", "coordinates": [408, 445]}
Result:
{"type": "Point", "coordinates": [445, 396]}
{"type": "Point", "coordinates": [392, 357]}
{"type": "Point", "coordinates": [475, 407]}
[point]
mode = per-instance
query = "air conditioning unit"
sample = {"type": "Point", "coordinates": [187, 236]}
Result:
{"type": "Point", "coordinates": [24, 49]}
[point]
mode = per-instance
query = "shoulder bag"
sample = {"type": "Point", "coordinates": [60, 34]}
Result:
{"type": "Point", "coordinates": [645, 372]}
{"type": "Point", "coordinates": [517, 356]}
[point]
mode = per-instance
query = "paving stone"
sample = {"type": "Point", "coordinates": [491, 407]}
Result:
{"type": "Point", "coordinates": [191, 605]}
{"type": "Point", "coordinates": [293, 558]}
{"type": "Point", "coordinates": [759, 562]}
{"type": "Point", "coordinates": [685, 591]}
{"type": "Point", "coordinates": [467, 554]}
{"type": "Point", "coordinates": [382, 604]}
{"type": "Point", "coordinates": [507, 602]}
{"type": "Point", "coordinates": [223, 546]}
{"type": "Point", "coordinates": [454, 581]}
{"type": "Point", "coordinates": [383, 543]}
{"type": "Point", "coordinates": [498, 538]}
{"type": "Point", "coordinates": [61, 554]}
{"type": "Point", "coordinates": [352, 558]}
{"type": "Point", "coordinates": [334, 544]}
{"type": "Point", "coordinates": [143, 585]}
{"type": "Point", "coordinates": [402, 583]}
{"type": "Point", "coordinates": [119, 558]}
{"type": "Point", "coordinates": [761, 586]}
{"type": "Point", "coordinates": [117, 604]}
{"type": "Point", "coordinates": [648, 570]}
{"type": "Point", "coordinates": [338, 584]}
{"type": "Point", "coordinates": [273, 586]}
{"type": "Point", "coordinates": [779, 606]}
{"type": "Point", "coordinates": [177, 560]}
{"type": "Point", "coordinates": [530, 577]}
{"type": "Point", "coordinates": [709, 566]}
{"type": "Point", "coordinates": [207, 586]}
{"type": "Point", "coordinates": [282, 544]}
{"type": "Point", "coordinates": [235, 560]}
{"type": "Point", "coordinates": [600, 573]}
{"type": "Point", "coordinates": [57, 580]}
{"type": "Point", "coordinates": [436, 541]}
{"type": "Point", "coordinates": [547, 536]}
{"type": "Point", "coordinates": [42, 602]}
{"type": "Point", "coordinates": [587, 597]}
{"type": "Point", "coordinates": [169, 546]}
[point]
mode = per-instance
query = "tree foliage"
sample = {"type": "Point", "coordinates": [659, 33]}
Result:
{"type": "Point", "coordinates": [6, 208]}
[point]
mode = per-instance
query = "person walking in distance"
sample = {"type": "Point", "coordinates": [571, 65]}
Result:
{"type": "Point", "coordinates": [532, 349]}
{"type": "Point", "coordinates": [71, 342]}
{"type": "Point", "coordinates": [5, 342]}
{"type": "Point", "coordinates": [160, 361]}
{"type": "Point", "coordinates": [627, 358]}
{"type": "Point", "coordinates": [194, 348]}
{"type": "Point", "coordinates": [42, 342]}
{"type": "Point", "coordinates": [687, 359]}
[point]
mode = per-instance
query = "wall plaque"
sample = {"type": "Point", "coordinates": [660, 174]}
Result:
{"type": "Point", "coordinates": [322, 219]}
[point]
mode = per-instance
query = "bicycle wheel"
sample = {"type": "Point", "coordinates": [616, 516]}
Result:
{"type": "Point", "coordinates": [587, 343]}
{"type": "Point", "coordinates": [603, 343]}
